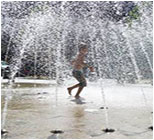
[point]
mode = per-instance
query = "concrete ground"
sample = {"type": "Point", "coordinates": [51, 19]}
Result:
{"type": "Point", "coordinates": [35, 109]}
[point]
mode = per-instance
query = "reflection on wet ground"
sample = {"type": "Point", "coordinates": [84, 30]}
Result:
{"type": "Point", "coordinates": [78, 101]}
{"type": "Point", "coordinates": [34, 113]}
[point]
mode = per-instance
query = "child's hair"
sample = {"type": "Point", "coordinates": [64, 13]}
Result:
{"type": "Point", "coordinates": [82, 46]}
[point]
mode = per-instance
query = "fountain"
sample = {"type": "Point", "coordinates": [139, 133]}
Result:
{"type": "Point", "coordinates": [46, 36]}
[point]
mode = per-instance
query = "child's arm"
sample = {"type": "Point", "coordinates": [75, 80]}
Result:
{"type": "Point", "coordinates": [88, 66]}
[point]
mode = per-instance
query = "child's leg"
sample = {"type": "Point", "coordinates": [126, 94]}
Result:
{"type": "Point", "coordinates": [79, 76]}
{"type": "Point", "coordinates": [70, 88]}
{"type": "Point", "coordinates": [78, 92]}
{"type": "Point", "coordinates": [82, 84]}
{"type": "Point", "coordinates": [75, 86]}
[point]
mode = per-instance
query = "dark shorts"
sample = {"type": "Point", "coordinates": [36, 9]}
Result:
{"type": "Point", "coordinates": [79, 76]}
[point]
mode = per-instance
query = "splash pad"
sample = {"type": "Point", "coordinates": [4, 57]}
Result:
{"type": "Point", "coordinates": [44, 38]}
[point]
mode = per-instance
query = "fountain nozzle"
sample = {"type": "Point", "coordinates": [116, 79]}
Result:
{"type": "Point", "coordinates": [57, 131]}
{"type": "Point", "coordinates": [3, 132]}
{"type": "Point", "coordinates": [151, 128]}
{"type": "Point", "coordinates": [108, 130]}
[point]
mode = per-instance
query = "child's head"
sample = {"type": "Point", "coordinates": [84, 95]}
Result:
{"type": "Point", "coordinates": [83, 48]}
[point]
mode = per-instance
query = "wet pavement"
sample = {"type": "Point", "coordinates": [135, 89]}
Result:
{"type": "Point", "coordinates": [37, 112]}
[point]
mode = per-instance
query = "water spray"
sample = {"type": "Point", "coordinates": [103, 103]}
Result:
{"type": "Point", "coordinates": [107, 129]}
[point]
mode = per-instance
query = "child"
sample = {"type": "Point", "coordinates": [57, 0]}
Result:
{"type": "Point", "coordinates": [78, 65]}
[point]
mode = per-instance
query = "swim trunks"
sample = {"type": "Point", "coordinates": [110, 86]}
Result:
{"type": "Point", "coordinates": [79, 76]}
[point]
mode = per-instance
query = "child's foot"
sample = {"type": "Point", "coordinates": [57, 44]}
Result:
{"type": "Point", "coordinates": [77, 97]}
{"type": "Point", "coordinates": [69, 91]}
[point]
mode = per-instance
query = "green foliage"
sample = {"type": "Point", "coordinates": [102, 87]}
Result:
{"type": "Point", "coordinates": [133, 15]}
{"type": "Point", "coordinates": [39, 8]}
